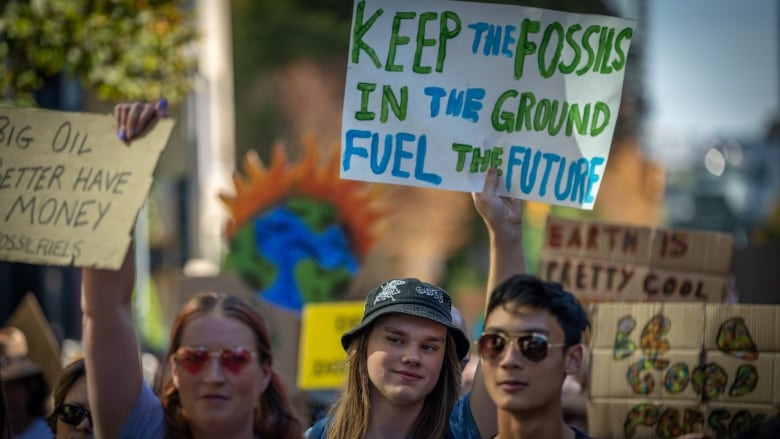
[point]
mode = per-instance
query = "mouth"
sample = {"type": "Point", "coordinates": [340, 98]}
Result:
{"type": "Point", "coordinates": [512, 385]}
{"type": "Point", "coordinates": [214, 397]}
{"type": "Point", "coordinates": [408, 375]}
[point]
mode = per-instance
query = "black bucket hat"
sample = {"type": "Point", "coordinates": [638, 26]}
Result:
{"type": "Point", "coordinates": [412, 297]}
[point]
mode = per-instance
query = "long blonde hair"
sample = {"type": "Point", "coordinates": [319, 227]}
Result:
{"type": "Point", "coordinates": [351, 411]}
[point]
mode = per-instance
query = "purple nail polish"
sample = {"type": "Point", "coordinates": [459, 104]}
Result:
{"type": "Point", "coordinates": [163, 104]}
{"type": "Point", "coordinates": [122, 135]}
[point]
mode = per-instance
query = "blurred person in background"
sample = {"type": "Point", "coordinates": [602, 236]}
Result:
{"type": "Point", "coordinates": [5, 429]}
{"type": "Point", "coordinates": [24, 387]}
{"type": "Point", "coordinates": [71, 418]}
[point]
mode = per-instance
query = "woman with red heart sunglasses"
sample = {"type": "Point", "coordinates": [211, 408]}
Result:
{"type": "Point", "coordinates": [217, 381]}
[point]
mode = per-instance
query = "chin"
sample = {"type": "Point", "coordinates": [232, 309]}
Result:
{"type": "Point", "coordinates": [405, 398]}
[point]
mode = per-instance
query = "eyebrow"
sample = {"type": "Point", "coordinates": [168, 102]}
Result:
{"type": "Point", "coordinates": [524, 331]}
{"type": "Point", "coordinates": [397, 331]}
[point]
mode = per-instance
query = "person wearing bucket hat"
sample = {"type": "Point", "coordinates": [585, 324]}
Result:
{"type": "Point", "coordinates": [404, 357]}
{"type": "Point", "coordinates": [412, 297]}
{"type": "Point", "coordinates": [24, 387]}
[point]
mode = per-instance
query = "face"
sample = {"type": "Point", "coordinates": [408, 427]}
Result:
{"type": "Point", "coordinates": [76, 396]}
{"type": "Point", "coordinates": [514, 382]}
{"type": "Point", "coordinates": [217, 398]}
{"type": "Point", "coordinates": [405, 357]}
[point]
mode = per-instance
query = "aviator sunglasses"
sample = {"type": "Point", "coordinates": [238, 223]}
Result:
{"type": "Point", "coordinates": [73, 414]}
{"type": "Point", "coordinates": [194, 359]}
{"type": "Point", "coordinates": [532, 345]}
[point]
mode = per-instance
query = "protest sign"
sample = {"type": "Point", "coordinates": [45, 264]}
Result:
{"type": "Point", "coordinates": [322, 361]}
{"type": "Point", "coordinates": [601, 261]}
{"type": "Point", "coordinates": [29, 318]}
{"type": "Point", "coordinates": [69, 188]}
{"type": "Point", "coordinates": [439, 91]}
{"type": "Point", "coordinates": [668, 369]}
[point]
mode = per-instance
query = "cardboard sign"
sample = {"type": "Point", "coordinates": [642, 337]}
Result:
{"type": "Point", "coordinates": [641, 419]}
{"type": "Point", "coordinates": [683, 368]}
{"type": "Point", "coordinates": [41, 342]}
{"type": "Point", "coordinates": [439, 91]}
{"type": "Point", "coordinates": [69, 188]}
{"type": "Point", "coordinates": [600, 261]}
{"type": "Point", "coordinates": [321, 362]}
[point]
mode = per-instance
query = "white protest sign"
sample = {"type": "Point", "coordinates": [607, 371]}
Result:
{"type": "Point", "coordinates": [69, 188]}
{"type": "Point", "coordinates": [439, 91]}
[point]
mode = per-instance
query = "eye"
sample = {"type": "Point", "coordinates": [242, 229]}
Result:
{"type": "Point", "coordinates": [394, 340]}
{"type": "Point", "coordinates": [237, 357]}
{"type": "Point", "coordinates": [495, 341]}
{"type": "Point", "coordinates": [430, 347]}
{"type": "Point", "coordinates": [534, 342]}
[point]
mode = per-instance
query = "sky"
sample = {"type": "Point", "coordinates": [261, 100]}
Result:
{"type": "Point", "coordinates": [712, 68]}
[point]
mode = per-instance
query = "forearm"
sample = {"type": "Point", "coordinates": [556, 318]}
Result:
{"type": "Point", "coordinates": [507, 256]}
{"type": "Point", "coordinates": [113, 366]}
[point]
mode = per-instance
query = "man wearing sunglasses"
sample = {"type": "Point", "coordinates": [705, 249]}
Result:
{"type": "Point", "coordinates": [532, 340]}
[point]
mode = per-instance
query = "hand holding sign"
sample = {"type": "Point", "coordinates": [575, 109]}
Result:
{"type": "Point", "coordinates": [133, 118]}
{"type": "Point", "coordinates": [69, 188]}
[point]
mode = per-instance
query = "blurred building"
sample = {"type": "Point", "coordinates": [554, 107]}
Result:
{"type": "Point", "coordinates": [728, 185]}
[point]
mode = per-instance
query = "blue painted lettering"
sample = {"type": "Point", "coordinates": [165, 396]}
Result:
{"type": "Point", "coordinates": [403, 148]}
{"type": "Point", "coordinates": [574, 182]}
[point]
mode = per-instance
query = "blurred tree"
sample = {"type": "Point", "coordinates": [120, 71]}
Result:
{"type": "Point", "coordinates": [122, 49]}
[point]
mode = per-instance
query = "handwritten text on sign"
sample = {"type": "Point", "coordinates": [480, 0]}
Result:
{"type": "Point", "coordinates": [605, 261]}
{"type": "Point", "coordinates": [439, 91]}
{"type": "Point", "coordinates": [69, 188]}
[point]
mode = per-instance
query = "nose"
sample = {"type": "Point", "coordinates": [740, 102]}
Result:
{"type": "Point", "coordinates": [214, 371]}
{"type": "Point", "coordinates": [511, 357]}
{"type": "Point", "coordinates": [411, 354]}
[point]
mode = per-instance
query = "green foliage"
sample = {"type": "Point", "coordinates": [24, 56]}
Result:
{"type": "Point", "coordinates": [123, 49]}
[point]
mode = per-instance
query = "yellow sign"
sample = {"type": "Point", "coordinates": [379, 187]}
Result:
{"type": "Point", "coordinates": [69, 188]}
{"type": "Point", "coordinates": [321, 358]}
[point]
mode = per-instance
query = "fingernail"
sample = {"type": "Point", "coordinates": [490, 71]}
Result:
{"type": "Point", "coordinates": [122, 135]}
{"type": "Point", "coordinates": [163, 104]}
{"type": "Point", "coordinates": [135, 131]}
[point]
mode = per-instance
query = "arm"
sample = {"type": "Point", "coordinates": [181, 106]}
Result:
{"type": "Point", "coordinates": [503, 218]}
{"type": "Point", "coordinates": [114, 376]}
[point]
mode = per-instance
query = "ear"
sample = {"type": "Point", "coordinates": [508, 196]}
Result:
{"type": "Point", "coordinates": [174, 374]}
{"type": "Point", "coordinates": [574, 359]}
{"type": "Point", "coordinates": [266, 378]}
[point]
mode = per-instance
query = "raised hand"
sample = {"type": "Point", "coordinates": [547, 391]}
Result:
{"type": "Point", "coordinates": [132, 118]}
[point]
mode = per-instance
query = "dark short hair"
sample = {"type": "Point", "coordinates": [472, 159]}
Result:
{"type": "Point", "coordinates": [529, 290]}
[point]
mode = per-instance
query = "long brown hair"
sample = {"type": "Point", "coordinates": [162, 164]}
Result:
{"type": "Point", "coordinates": [351, 411]}
{"type": "Point", "coordinates": [274, 416]}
